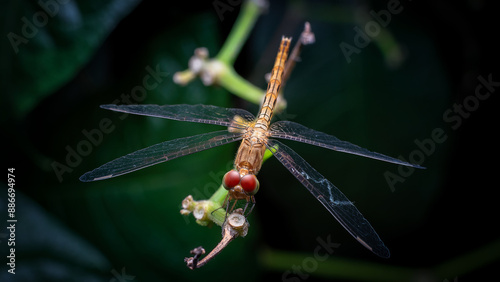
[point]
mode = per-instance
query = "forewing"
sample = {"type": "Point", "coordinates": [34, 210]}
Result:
{"type": "Point", "coordinates": [192, 113]}
{"type": "Point", "coordinates": [331, 197]}
{"type": "Point", "coordinates": [297, 132]}
{"type": "Point", "coordinates": [160, 152]}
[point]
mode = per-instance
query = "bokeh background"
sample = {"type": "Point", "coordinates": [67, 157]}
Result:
{"type": "Point", "coordinates": [439, 223]}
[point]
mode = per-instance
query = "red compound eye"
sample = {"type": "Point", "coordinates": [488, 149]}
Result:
{"type": "Point", "coordinates": [250, 184]}
{"type": "Point", "coordinates": [231, 179]}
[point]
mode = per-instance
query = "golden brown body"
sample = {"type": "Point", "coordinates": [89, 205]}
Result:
{"type": "Point", "coordinates": [251, 151]}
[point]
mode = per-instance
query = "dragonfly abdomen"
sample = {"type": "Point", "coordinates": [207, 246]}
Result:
{"type": "Point", "coordinates": [273, 87]}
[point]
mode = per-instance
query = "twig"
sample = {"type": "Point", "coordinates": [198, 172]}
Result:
{"type": "Point", "coordinates": [306, 38]}
{"type": "Point", "coordinates": [235, 225]}
{"type": "Point", "coordinates": [241, 30]}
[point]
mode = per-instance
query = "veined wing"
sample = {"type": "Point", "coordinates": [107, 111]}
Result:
{"type": "Point", "coordinates": [192, 113]}
{"type": "Point", "coordinates": [297, 132]}
{"type": "Point", "coordinates": [160, 152]}
{"type": "Point", "coordinates": [330, 196]}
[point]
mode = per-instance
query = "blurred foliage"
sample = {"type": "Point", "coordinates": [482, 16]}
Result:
{"type": "Point", "coordinates": [55, 38]}
{"type": "Point", "coordinates": [97, 52]}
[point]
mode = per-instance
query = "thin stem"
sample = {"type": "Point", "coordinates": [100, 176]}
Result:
{"type": "Point", "coordinates": [306, 38]}
{"type": "Point", "coordinates": [218, 216]}
{"type": "Point", "coordinates": [335, 267]}
{"type": "Point", "coordinates": [240, 31]}
{"type": "Point", "coordinates": [340, 268]}
{"type": "Point", "coordinates": [239, 86]}
{"type": "Point", "coordinates": [384, 40]}
{"type": "Point", "coordinates": [216, 213]}
{"type": "Point", "coordinates": [469, 261]}
{"type": "Point", "coordinates": [236, 225]}
{"type": "Point", "coordinates": [220, 68]}
{"type": "Point", "coordinates": [219, 196]}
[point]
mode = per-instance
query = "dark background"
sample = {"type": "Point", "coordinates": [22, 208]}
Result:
{"type": "Point", "coordinates": [440, 223]}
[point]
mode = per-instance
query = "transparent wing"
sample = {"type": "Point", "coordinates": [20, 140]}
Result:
{"type": "Point", "coordinates": [330, 196]}
{"type": "Point", "coordinates": [297, 132]}
{"type": "Point", "coordinates": [192, 113]}
{"type": "Point", "coordinates": [160, 152]}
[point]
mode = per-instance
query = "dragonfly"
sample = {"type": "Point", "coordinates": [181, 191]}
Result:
{"type": "Point", "coordinates": [256, 135]}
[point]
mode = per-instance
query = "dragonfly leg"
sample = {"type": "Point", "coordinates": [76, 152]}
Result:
{"type": "Point", "coordinates": [252, 200]}
{"type": "Point", "coordinates": [232, 208]}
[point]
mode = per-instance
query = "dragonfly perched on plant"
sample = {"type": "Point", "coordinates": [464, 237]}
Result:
{"type": "Point", "coordinates": [256, 134]}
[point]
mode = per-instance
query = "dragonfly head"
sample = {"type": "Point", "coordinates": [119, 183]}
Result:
{"type": "Point", "coordinates": [233, 180]}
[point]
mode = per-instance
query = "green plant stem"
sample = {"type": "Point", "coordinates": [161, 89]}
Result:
{"type": "Point", "coordinates": [217, 214]}
{"type": "Point", "coordinates": [337, 267]}
{"type": "Point", "coordinates": [470, 261]}
{"type": "Point", "coordinates": [384, 40]}
{"type": "Point", "coordinates": [221, 68]}
{"type": "Point", "coordinates": [239, 33]}
{"type": "Point", "coordinates": [219, 196]}
{"type": "Point", "coordinates": [239, 86]}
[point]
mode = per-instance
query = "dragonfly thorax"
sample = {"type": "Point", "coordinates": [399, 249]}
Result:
{"type": "Point", "coordinates": [251, 152]}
